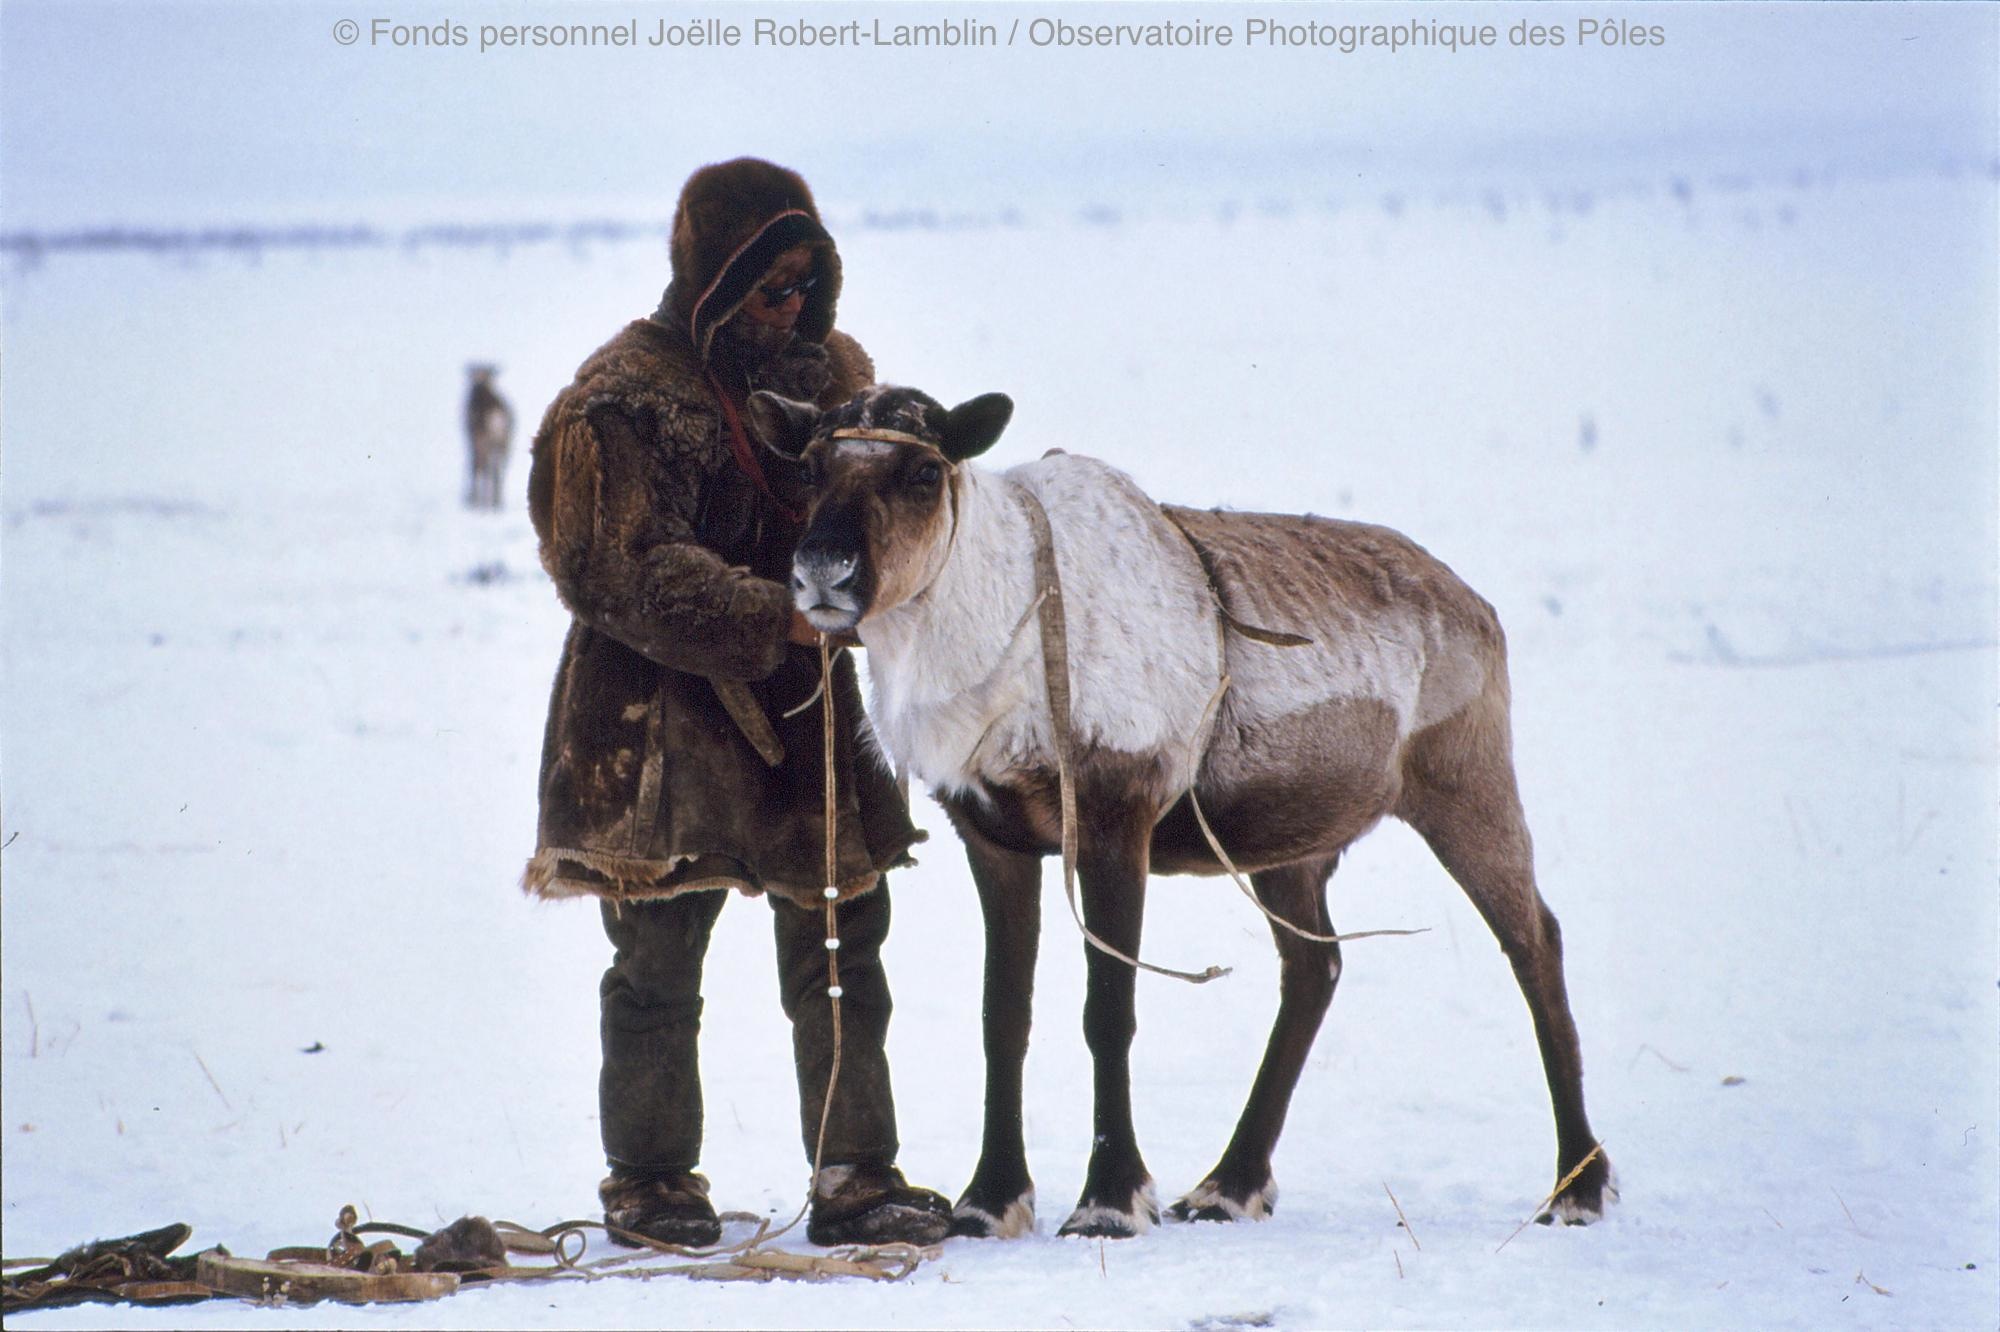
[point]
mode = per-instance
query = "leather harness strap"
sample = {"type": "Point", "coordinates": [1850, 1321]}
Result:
{"type": "Point", "coordinates": [1055, 666]}
{"type": "Point", "coordinates": [1270, 637]}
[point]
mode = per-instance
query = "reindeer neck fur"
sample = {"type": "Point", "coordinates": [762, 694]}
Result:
{"type": "Point", "coordinates": [948, 664]}
{"type": "Point", "coordinates": [959, 692]}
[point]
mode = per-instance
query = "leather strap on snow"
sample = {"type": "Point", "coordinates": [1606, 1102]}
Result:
{"type": "Point", "coordinates": [349, 1269]}
{"type": "Point", "coordinates": [1055, 669]}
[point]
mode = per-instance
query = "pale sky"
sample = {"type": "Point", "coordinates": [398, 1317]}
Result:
{"type": "Point", "coordinates": [157, 111]}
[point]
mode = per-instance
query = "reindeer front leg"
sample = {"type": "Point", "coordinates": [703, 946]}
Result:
{"type": "Point", "coordinates": [1117, 1199]}
{"type": "Point", "coordinates": [999, 1203]}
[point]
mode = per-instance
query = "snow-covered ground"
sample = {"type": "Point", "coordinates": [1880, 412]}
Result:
{"type": "Point", "coordinates": [1722, 452]}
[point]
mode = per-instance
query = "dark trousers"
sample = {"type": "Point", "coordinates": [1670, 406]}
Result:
{"type": "Point", "coordinates": [649, 1089]}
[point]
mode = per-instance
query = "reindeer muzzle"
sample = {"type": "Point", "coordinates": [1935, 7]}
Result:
{"type": "Point", "coordinates": [824, 588]}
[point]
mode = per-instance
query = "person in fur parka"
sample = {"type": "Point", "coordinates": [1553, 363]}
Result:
{"type": "Point", "coordinates": [677, 762]}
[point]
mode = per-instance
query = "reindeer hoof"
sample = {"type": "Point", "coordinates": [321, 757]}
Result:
{"type": "Point", "coordinates": [1105, 1221]}
{"type": "Point", "coordinates": [1584, 1200]}
{"type": "Point", "coordinates": [1209, 1201]}
{"type": "Point", "coordinates": [1012, 1221]}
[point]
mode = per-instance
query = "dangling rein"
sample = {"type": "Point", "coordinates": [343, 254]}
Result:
{"type": "Point", "coordinates": [745, 456]}
{"type": "Point", "coordinates": [1055, 665]}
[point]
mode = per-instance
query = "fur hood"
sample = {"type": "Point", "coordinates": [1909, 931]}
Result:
{"type": "Point", "coordinates": [733, 221]}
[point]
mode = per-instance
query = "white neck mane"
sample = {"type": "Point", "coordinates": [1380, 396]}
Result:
{"type": "Point", "coordinates": [951, 676]}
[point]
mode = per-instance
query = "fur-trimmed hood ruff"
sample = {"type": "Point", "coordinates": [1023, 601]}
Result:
{"type": "Point", "coordinates": [733, 221]}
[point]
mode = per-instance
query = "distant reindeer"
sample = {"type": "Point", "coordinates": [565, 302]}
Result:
{"type": "Point", "coordinates": [1397, 705]}
{"type": "Point", "coordinates": [489, 430]}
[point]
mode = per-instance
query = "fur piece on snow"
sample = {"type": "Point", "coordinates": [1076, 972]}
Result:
{"type": "Point", "coordinates": [468, 1244]}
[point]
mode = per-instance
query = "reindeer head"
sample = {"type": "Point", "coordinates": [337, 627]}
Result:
{"type": "Point", "coordinates": [883, 473]}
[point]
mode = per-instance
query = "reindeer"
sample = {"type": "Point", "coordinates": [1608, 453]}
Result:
{"type": "Point", "coordinates": [1389, 698]}
{"type": "Point", "coordinates": [489, 429]}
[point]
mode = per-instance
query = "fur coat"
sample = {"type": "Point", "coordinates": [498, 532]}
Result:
{"type": "Point", "coordinates": [675, 565]}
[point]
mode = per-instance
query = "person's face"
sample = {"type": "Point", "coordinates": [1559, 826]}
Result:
{"type": "Point", "coordinates": [778, 298]}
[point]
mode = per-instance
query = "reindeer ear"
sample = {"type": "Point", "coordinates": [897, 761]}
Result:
{"type": "Point", "coordinates": [971, 427]}
{"type": "Point", "coordinates": [782, 425]}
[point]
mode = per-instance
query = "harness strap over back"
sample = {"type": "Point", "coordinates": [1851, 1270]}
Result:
{"type": "Point", "coordinates": [1055, 666]}
{"type": "Point", "coordinates": [1269, 637]}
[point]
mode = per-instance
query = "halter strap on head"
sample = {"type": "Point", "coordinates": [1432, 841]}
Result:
{"type": "Point", "coordinates": [882, 436]}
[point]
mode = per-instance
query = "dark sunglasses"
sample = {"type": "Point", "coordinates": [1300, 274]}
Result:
{"type": "Point", "coordinates": [779, 295]}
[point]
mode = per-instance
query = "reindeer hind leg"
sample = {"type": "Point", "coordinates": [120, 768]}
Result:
{"type": "Point", "coordinates": [1460, 795]}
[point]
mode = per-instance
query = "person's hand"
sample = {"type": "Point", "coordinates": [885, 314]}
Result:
{"type": "Point", "coordinates": [805, 635]}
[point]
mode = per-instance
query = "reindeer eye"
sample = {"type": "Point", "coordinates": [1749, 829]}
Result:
{"type": "Point", "coordinates": [926, 473]}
